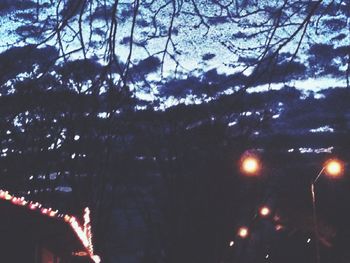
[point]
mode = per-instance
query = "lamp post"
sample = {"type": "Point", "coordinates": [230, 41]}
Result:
{"type": "Point", "coordinates": [332, 168]}
{"type": "Point", "coordinates": [250, 164]}
{"type": "Point", "coordinates": [243, 232]}
{"type": "Point", "coordinates": [264, 211]}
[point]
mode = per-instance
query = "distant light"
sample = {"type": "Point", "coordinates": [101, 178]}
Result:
{"type": "Point", "coordinates": [308, 240]}
{"type": "Point", "coordinates": [8, 196]}
{"type": "Point", "coordinates": [250, 165]}
{"type": "Point", "coordinates": [33, 206]}
{"type": "Point", "coordinates": [279, 227]}
{"type": "Point", "coordinates": [264, 211]}
{"type": "Point", "coordinates": [334, 168]}
{"type": "Point", "coordinates": [232, 243]}
{"type": "Point", "coordinates": [232, 123]}
{"type": "Point", "coordinates": [243, 232]}
{"type": "Point", "coordinates": [76, 137]}
{"type": "Point", "coordinates": [53, 213]}
{"type": "Point", "coordinates": [80, 254]}
{"type": "Point", "coordinates": [267, 256]}
{"type": "Point", "coordinates": [276, 218]}
{"type": "Point", "coordinates": [44, 211]}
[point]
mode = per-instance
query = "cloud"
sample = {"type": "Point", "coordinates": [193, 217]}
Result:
{"type": "Point", "coordinates": [145, 66]}
{"type": "Point", "coordinates": [210, 83]}
{"type": "Point", "coordinates": [322, 59]}
{"type": "Point", "coordinates": [9, 5]}
{"type": "Point", "coordinates": [80, 70]}
{"type": "Point", "coordinates": [274, 73]}
{"type": "Point", "coordinates": [22, 59]}
{"type": "Point", "coordinates": [208, 56]}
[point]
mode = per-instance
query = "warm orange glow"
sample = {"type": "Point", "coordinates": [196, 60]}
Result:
{"type": "Point", "coordinates": [264, 211]}
{"type": "Point", "coordinates": [80, 254]}
{"type": "Point", "coordinates": [250, 165]}
{"type": "Point", "coordinates": [82, 231]}
{"type": "Point", "coordinates": [53, 213]}
{"type": "Point", "coordinates": [334, 168]}
{"type": "Point", "coordinates": [243, 232]}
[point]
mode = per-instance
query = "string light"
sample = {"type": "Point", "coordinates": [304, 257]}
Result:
{"type": "Point", "coordinates": [82, 231]}
{"type": "Point", "coordinates": [80, 254]}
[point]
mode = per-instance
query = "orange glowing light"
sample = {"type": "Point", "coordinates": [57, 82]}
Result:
{"type": "Point", "coordinates": [334, 168]}
{"type": "Point", "coordinates": [53, 213]}
{"type": "Point", "coordinates": [80, 254]}
{"type": "Point", "coordinates": [250, 165]}
{"type": "Point", "coordinates": [82, 231]}
{"type": "Point", "coordinates": [243, 232]}
{"type": "Point", "coordinates": [264, 211]}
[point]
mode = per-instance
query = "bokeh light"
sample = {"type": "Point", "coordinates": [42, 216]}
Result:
{"type": "Point", "coordinates": [243, 232]}
{"type": "Point", "coordinates": [264, 211]}
{"type": "Point", "coordinates": [250, 165]}
{"type": "Point", "coordinates": [334, 168]}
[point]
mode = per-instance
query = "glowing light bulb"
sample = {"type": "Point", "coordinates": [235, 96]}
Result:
{"type": "Point", "coordinates": [334, 168]}
{"type": "Point", "coordinates": [243, 232]}
{"type": "Point", "coordinates": [264, 211]}
{"type": "Point", "coordinates": [250, 165]}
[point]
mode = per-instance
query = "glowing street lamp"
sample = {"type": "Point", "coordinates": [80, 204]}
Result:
{"type": "Point", "coordinates": [243, 232]}
{"type": "Point", "coordinates": [333, 168]}
{"type": "Point", "coordinates": [264, 211]}
{"type": "Point", "coordinates": [250, 165]}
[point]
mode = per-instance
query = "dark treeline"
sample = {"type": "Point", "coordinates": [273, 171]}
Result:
{"type": "Point", "coordinates": [165, 186]}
